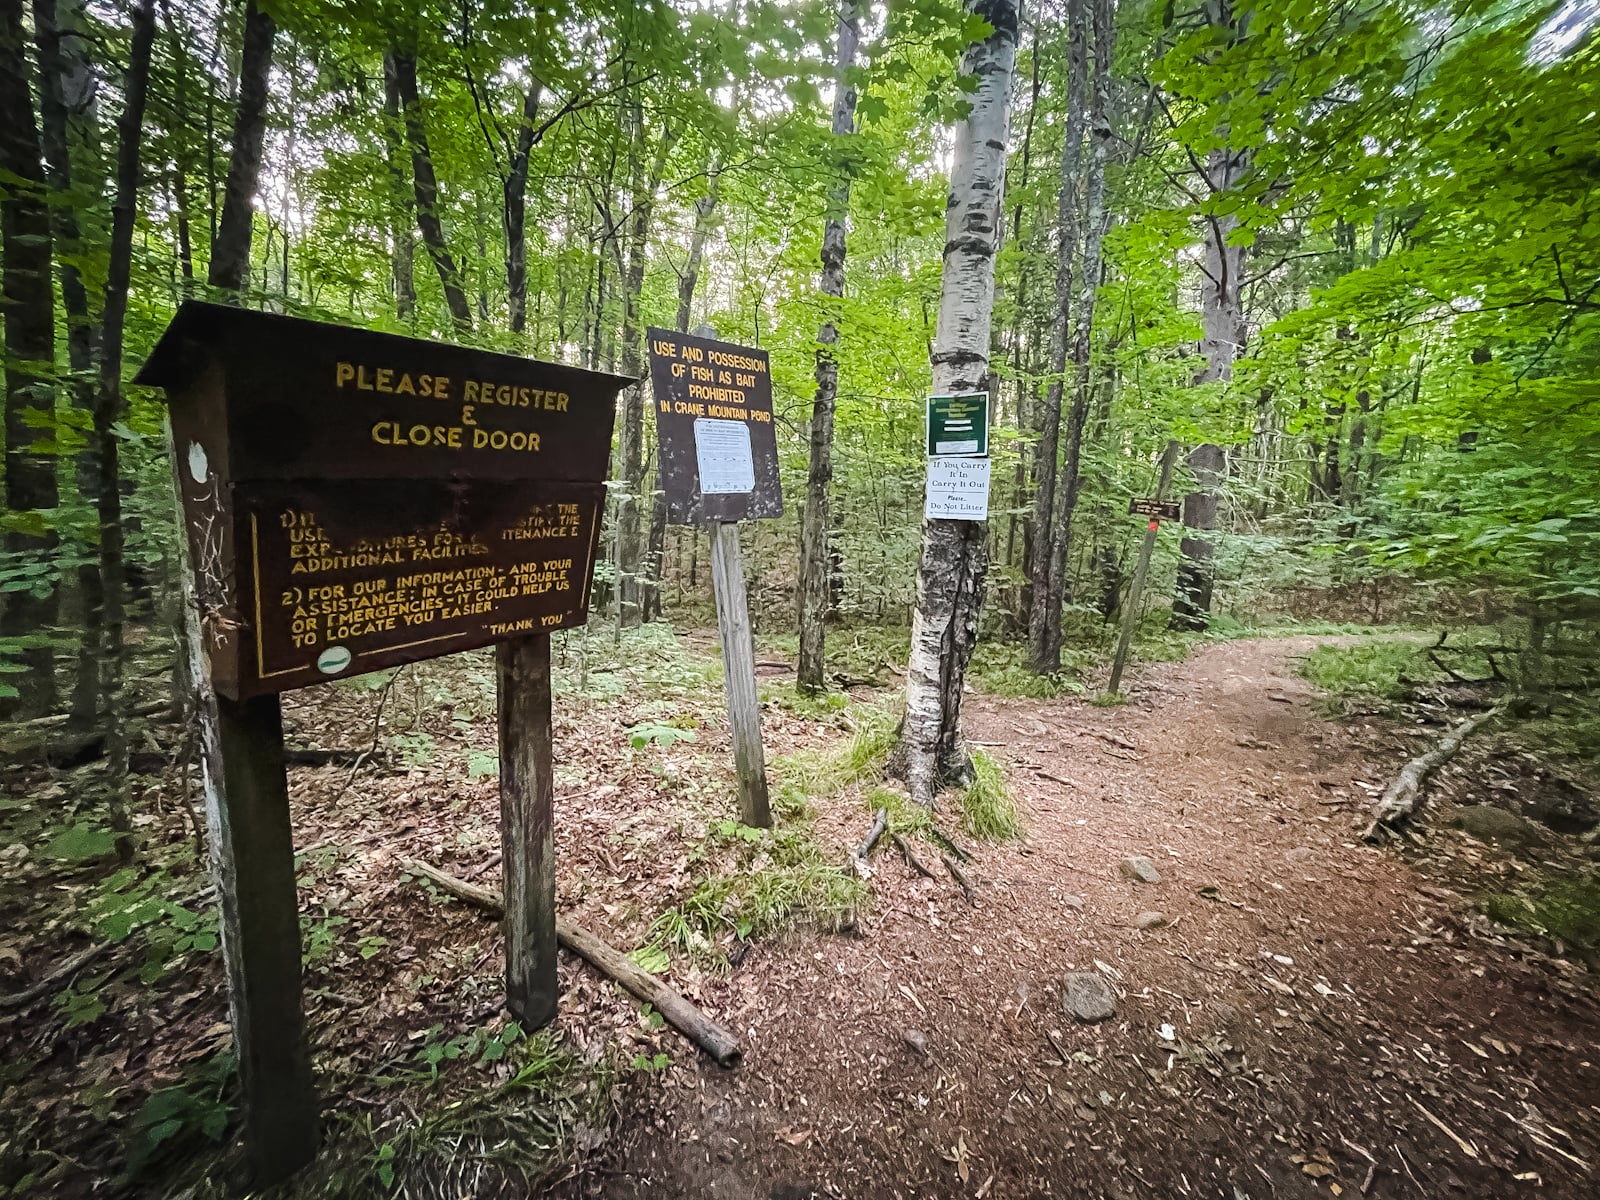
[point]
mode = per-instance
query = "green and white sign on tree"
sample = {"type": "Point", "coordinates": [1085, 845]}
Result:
{"type": "Point", "coordinates": [958, 425]}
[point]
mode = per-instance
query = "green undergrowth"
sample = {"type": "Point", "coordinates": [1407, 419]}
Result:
{"type": "Point", "coordinates": [987, 810]}
{"type": "Point", "coordinates": [511, 1136]}
{"type": "Point", "coordinates": [755, 883]}
{"type": "Point", "coordinates": [1567, 909]}
{"type": "Point", "coordinates": [860, 652]}
{"type": "Point", "coordinates": [1372, 670]}
{"type": "Point", "coordinates": [1001, 669]}
{"type": "Point", "coordinates": [823, 706]}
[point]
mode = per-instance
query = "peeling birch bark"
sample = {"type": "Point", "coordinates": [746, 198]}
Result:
{"type": "Point", "coordinates": [955, 557]}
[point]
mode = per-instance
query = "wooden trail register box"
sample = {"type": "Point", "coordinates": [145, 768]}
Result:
{"type": "Point", "coordinates": [352, 501]}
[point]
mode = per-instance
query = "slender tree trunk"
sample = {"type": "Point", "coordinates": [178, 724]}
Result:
{"type": "Point", "coordinates": [425, 185]}
{"type": "Point", "coordinates": [954, 560]}
{"type": "Point", "coordinates": [1191, 603]}
{"type": "Point", "coordinates": [230, 249]}
{"type": "Point", "coordinates": [630, 580]}
{"type": "Point", "coordinates": [60, 54]}
{"type": "Point", "coordinates": [401, 203]}
{"type": "Point", "coordinates": [108, 412]}
{"type": "Point", "coordinates": [1096, 219]}
{"type": "Point", "coordinates": [27, 293]}
{"type": "Point", "coordinates": [1222, 329]}
{"type": "Point", "coordinates": [178, 49]}
{"type": "Point", "coordinates": [704, 221]}
{"type": "Point", "coordinates": [1044, 612]}
{"type": "Point", "coordinates": [704, 210]}
{"type": "Point", "coordinates": [814, 523]}
{"type": "Point", "coordinates": [514, 211]}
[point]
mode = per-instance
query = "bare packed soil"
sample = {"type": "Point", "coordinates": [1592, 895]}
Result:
{"type": "Point", "coordinates": [1309, 1017]}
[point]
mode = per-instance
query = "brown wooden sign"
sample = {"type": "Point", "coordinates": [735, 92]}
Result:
{"type": "Point", "coordinates": [357, 500]}
{"type": "Point", "coordinates": [1160, 509]}
{"type": "Point", "coordinates": [719, 451]}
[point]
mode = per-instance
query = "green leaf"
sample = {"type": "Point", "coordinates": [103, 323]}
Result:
{"type": "Point", "coordinates": [81, 843]}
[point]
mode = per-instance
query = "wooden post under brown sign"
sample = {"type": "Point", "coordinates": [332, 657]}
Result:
{"type": "Point", "coordinates": [355, 500]}
{"type": "Point", "coordinates": [1130, 614]}
{"type": "Point", "coordinates": [719, 464]}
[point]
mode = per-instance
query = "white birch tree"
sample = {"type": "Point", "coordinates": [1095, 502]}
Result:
{"type": "Point", "coordinates": [955, 560]}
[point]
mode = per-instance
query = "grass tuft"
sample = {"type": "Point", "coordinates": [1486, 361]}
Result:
{"type": "Point", "coordinates": [987, 810]}
{"type": "Point", "coordinates": [1375, 669]}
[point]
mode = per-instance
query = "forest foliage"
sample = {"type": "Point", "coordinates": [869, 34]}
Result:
{"type": "Point", "coordinates": [1387, 210]}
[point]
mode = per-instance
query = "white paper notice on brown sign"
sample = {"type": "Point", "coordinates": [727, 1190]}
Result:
{"type": "Point", "coordinates": [723, 454]}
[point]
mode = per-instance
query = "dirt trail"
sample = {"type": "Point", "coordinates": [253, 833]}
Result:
{"type": "Point", "coordinates": [1334, 1029]}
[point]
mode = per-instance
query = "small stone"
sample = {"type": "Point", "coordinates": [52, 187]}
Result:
{"type": "Point", "coordinates": [1300, 854]}
{"type": "Point", "coordinates": [1150, 920]}
{"type": "Point", "coordinates": [1072, 901]}
{"type": "Point", "coordinates": [917, 1040]}
{"type": "Point", "coordinates": [1086, 997]}
{"type": "Point", "coordinates": [1139, 869]}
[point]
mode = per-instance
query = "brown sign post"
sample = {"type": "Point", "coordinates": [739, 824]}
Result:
{"type": "Point", "coordinates": [355, 500]}
{"type": "Point", "coordinates": [719, 465]}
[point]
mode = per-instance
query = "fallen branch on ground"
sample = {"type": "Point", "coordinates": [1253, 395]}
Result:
{"type": "Point", "coordinates": [879, 824]}
{"type": "Point", "coordinates": [912, 860]}
{"type": "Point", "coordinates": [680, 1013]}
{"type": "Point", "coordinates": [65, 972]}
{"type": "Point", "coordinates": [55, 978]}
{"type": "Point", "coordinates": [1399, 800]}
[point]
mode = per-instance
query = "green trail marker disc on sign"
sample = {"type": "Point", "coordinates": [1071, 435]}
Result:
{"type": "Point", "coordinates": [958, 426]}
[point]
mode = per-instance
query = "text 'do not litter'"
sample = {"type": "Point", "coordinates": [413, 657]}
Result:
{"type": "Point", "coordinates": [723, 454]}
{"type": "Point", "coordinates": [958, 489]}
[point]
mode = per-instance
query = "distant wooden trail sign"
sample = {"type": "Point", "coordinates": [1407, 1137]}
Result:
{"type": "Point", "coordinates": [355, 500]}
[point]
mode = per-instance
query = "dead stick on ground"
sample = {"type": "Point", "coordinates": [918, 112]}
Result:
{"type": "Point", "coordinates": [873, 834]}
{"type": "Point", "coordinates": [1466, 1147]}
{"type": "Point", "coordinates": [680, 1013]}
{"type": "Point", "coordinates": [56, 977]}
{"type": "Point", "coordinates": [1400, 798]}
{"type": "Point", "coordinates": [912, 860]}
{"type": "Point", "coordinates": [960, 877]}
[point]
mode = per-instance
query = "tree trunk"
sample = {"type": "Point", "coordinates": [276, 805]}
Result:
{"type": "Point", "coordinates": [1044, 612]}
{"type": "Point", "coordinates": [401, 204]}
{"type": "Point", "coordinates": [704, 212]}
{"type": "Point", "coordinates": [108, 412]}
{"type": "Point", "coordinates": [704, 209]}
{"type": "Point", "coordinates": [954, 559]}
{"type": "Point", "coordinates": [1094, 230]}
{"type": "Point", "coordinates": [644, 187]}
{"type": "Point", "coordinates": [60, 55]}
{"type": "Point", "coordinates": [514, 211]}
{"type": "Point", "coordinates": [28, 292]}
{"type": "Point", "coordinates": [178, 51]}
{"type": "Point", "coordinates": [1222, 337]}
{"type": "Point", "coordinates": [1022, 362]}
{"type": "Point", "coordinates": [230, 250]}
{"type": "Point", "coordinates": [814, 523]}
{"type": "Point", "coordinates": [425, 186]}
{"type": "Point", "coordinates": [1191, 603]}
